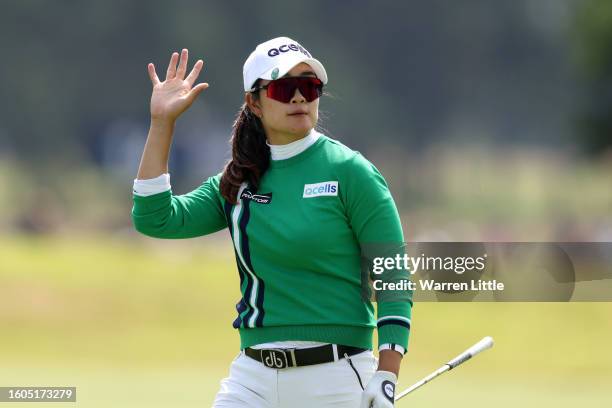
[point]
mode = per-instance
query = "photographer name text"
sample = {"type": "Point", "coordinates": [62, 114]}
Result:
{"type": "Point", "coordinates": [430, 284]}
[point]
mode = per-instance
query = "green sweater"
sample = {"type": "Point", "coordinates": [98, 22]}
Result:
{"type": "Point", "coordinates": [297, 242]}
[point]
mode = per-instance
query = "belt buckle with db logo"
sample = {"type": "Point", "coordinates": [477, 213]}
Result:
{"type": "Point", "coordinates": [277, 358]}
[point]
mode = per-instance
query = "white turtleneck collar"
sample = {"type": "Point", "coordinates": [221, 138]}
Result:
{"type": "Point", "coordinates": [282, 152]}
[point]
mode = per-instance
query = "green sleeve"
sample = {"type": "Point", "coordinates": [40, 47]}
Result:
{"type": "Point", "coordinates": [165, 215]}
{"type": "Point", "coordinates": [375, 221]}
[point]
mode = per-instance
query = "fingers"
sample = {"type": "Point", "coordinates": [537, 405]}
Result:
{"type": "Point", "coordinates": [182, 67]}
{"type": "Point", "coordinates": [179, 72]}
{"type": "Point", "coordinates": [152, 74]}
{"type": "Point", "coordinates": [172, 66]}
{"type": "Point", "coordinates": [193, 94]}
{"type": "Point", "coordinates": [366, 400]}
{"type": "Point", "coordinates": [194, 72]}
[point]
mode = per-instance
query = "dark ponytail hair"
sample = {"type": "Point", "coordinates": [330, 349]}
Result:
{"type": "Point", "coordinates": [250, 154]}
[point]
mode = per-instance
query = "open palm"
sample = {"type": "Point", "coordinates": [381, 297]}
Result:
{"type": "Point", "coordinates": [173, 96]}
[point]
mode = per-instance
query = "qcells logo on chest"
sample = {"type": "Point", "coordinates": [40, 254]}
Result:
{"type": "Point", "coordinates": [326, 188]}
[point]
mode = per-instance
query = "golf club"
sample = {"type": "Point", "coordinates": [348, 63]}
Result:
{"type": "Point", "coordinates": [482, 345]}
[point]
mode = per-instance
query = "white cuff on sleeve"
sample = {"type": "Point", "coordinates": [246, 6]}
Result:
{"type": "Point", "coordinates": [147, 187]}
{"type": "Point", "coordinates": [391, 346]}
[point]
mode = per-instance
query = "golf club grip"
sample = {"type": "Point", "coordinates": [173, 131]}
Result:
{"type": "Point", "coordinates": [482, 345]}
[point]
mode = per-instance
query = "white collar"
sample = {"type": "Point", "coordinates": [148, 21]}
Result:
{"type": "Point", "coordinates": [282, 152]}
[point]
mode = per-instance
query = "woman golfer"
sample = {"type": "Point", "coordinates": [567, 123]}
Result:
{"type": "Point", "coordinates": [300, 207]}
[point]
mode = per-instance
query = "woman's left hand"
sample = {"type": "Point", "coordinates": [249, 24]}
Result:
{"type": "Point", "coordinates": [380, 391]}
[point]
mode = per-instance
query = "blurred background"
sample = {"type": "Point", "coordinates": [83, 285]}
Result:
{"type": "Point", "coordinates": [491, 121]}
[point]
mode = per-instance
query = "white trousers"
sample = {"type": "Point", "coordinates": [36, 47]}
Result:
{"type": "Point", "coordinates": [335, 384]}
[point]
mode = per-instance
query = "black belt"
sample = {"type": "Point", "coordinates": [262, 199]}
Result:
{"type": "Point", "coordinates": [292, 357]}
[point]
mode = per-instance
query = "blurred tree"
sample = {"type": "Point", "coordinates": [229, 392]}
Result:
{"type": "Point", "coordinates": [408, 74]}
{"type": "Point", "coordinates": [593, 53]}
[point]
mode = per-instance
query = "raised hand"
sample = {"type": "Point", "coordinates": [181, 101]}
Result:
{"type": "Point", "coordinates": [173, 96]}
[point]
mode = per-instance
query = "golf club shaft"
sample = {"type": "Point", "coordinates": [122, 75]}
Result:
{"type": "Point", "coordinates": [482, 345]}
{"type": "Point", "coordinates": [422, 382]}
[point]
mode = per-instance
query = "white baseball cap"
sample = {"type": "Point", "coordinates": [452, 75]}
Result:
{"type": "Point", "coordinates": [274, 58]}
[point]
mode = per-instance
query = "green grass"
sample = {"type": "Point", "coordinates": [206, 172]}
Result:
{"type": "Point", "coordinates": [147, 323]}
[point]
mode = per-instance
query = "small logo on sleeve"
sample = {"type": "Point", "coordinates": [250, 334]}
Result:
{"type": "Point", "coordinates": [258, 198]}
{"type": "Point", "coordinates": [326, 188]}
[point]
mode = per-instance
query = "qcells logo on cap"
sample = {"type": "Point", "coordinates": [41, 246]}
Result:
{"type": "Point", "coordinates": [273, 52]}
{"type": "Point", "coordinates": [326, 188]}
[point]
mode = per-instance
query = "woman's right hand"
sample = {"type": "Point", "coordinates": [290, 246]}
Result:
{"type": "Point", "coordinates": [173, 96]}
